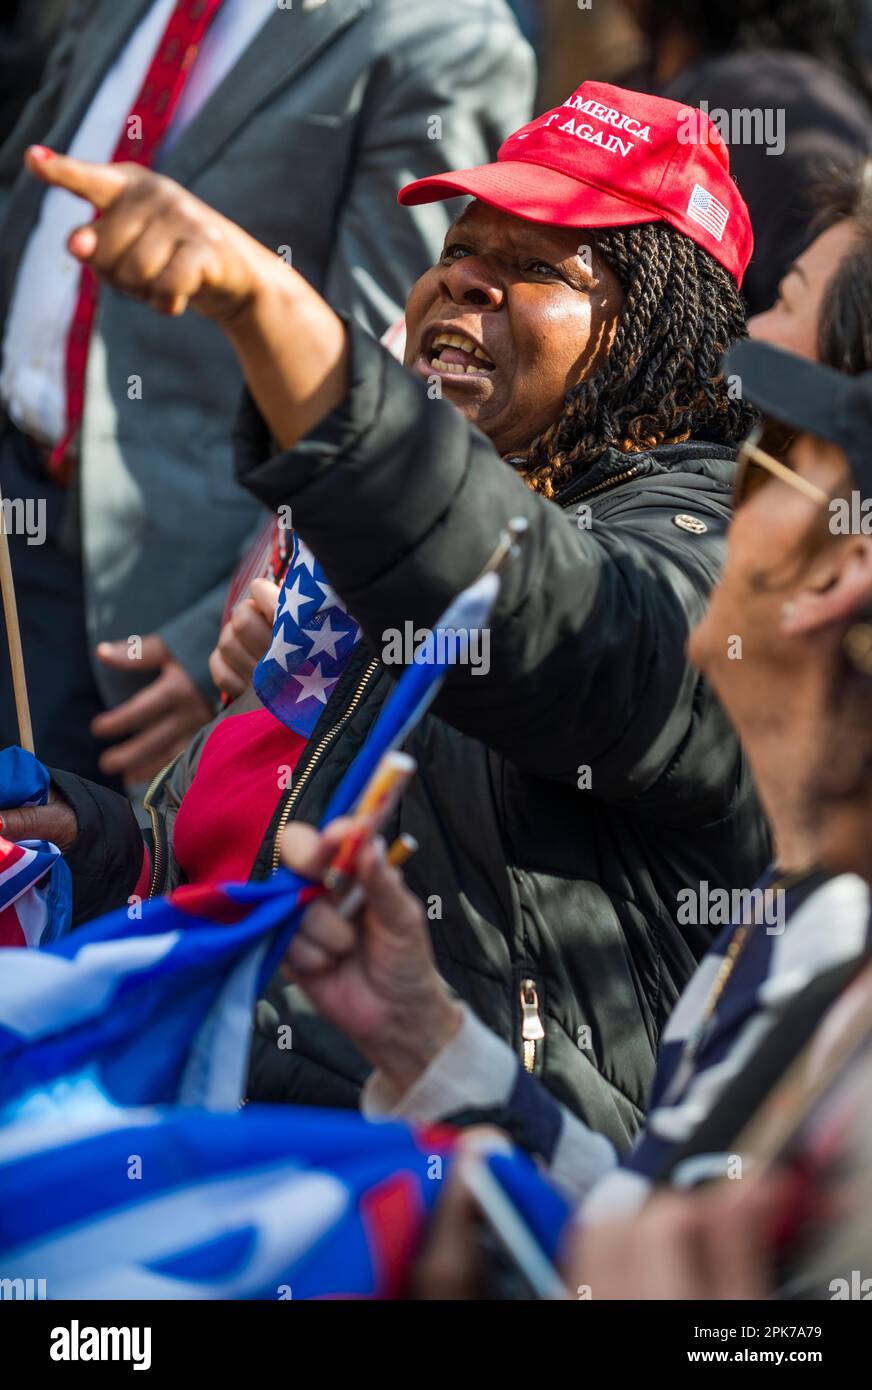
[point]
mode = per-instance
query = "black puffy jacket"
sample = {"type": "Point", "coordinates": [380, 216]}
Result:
{"type": "Point", "coordinates": [552, 905]}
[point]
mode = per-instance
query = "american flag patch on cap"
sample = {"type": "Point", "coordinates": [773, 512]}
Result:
{"type": "Point", "coordinates": [707, 211]}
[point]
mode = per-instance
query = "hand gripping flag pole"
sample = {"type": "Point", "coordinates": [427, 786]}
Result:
{"type": "Point", "coordinates": [13, 638]}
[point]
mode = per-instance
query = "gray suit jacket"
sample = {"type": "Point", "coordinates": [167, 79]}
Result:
{"type": "Point", "coordinates": [333, 107]}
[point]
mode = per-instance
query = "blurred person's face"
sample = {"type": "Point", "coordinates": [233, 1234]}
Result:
{"type": "Point", "coordinates": [771, 645]}
{"type": "Point", "coordinates": [747, 643]}
{"type": "Point", "coordinates": [511, 317]}
{"type": "Point", "coordinates": [792, 322]}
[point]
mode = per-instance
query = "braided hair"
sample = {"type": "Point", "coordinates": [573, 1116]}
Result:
{"type": "Point", "coordinates": [661, 381]}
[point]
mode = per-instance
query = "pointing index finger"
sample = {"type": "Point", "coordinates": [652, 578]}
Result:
{"type": "Point", "coordinates": [100, 184]}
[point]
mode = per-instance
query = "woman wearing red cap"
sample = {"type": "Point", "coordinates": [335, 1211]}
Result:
{"type": "Point", "coordinates": [568, 796]}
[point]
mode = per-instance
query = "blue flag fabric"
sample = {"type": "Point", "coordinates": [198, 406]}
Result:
{"type": "Point", "coordinates": [153, 1009]}
{"type": "Point", "coordinates": [35, 886]}
{"type": "Point", "coordinates": [313, 636]}
{"type": "Point", "coordinates": [23, 779]}
{"type": "Point", "coordinates": [273, 1203]}
{"type": "Point", "coordinates": [112, 1038]}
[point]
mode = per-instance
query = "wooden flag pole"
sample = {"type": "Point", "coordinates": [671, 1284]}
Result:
{"type": "Point", "coordinates": [13, 639]}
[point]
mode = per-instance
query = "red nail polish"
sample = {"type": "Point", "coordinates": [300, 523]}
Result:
{"type": "Point", "coordinates": [41, 152]}
{"type": "Point", "coordinates": [2, 824]}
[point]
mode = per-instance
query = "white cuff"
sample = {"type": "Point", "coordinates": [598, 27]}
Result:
{"type": "Point", "coordinates": [475, 1069]}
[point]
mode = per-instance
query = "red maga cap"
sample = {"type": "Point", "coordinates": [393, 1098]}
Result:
{"type": "Point", "coordinates": [609, 157]}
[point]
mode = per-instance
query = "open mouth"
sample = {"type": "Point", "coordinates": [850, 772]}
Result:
{"type": "Point", "coordinates": [458, 356]}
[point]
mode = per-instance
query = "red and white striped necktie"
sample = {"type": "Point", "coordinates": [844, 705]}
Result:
{"type": "Point", "coordinates": [143, 131]}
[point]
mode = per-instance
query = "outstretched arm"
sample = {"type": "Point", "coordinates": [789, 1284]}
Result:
{"type": "Point", "coordinates": [158, 243]}
{"type": "Point", "coordinates": [587, 673]}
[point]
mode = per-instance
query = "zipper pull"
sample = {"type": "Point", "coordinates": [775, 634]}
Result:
{"type": "Point", "coordinates": [531, 1023]}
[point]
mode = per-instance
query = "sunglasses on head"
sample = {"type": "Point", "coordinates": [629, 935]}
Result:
{"type": "Point", "coordinates": [755, 465]}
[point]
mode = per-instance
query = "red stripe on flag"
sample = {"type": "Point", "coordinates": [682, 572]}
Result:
{"type": "Point", "coordinates": [205, 901]}
{"type": "Point", "coordinates": [391, 1214]}
{"type": "Point", "coordinates": [10, 928]}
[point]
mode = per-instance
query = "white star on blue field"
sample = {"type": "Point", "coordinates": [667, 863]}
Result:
{"type": "Point", "coordinates": [313, 636]}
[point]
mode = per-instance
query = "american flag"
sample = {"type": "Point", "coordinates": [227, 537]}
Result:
{"type": "Point", "coordinates": [705, 209]}
{"type": "Point", "coordinates": [313, 635]}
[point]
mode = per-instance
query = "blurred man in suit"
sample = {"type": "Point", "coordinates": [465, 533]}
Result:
{"type": "Point", "coordinates": [295, 120]}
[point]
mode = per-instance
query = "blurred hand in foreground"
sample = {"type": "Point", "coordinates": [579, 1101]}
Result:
{"type": "Point", "coordinates": [714, 1243]}
{"type": "Point", "coordinates": [373, 975]}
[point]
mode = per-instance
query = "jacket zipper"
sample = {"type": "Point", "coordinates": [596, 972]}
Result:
{"type": "Point", "coordinates": [532, 1030]}
{"type": "Point", "coordinates": [323, 743]}
{"type": "Point", "coordinates": [531, 1023]}
{"type": "Point", "coordinates": [601, 487]}
{"type": "Point", "coordinates": [156, 837]}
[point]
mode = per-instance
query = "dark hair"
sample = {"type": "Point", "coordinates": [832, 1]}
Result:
{"type": "Point", "coordinates": [829, 30]}
{"type": "Point", "coordinates": [661, 382]}
{"type": "Point", "coordinates": [844, 339]}
{"type": "Point", "coordinates": [845, 327]}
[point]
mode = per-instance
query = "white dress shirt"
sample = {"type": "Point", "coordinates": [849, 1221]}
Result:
{"type": "Point", "coordinates": [32, 383]}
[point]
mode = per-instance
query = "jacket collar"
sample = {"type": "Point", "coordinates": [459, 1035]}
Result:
{"type": "Point", "coordinates": [668, 458]}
